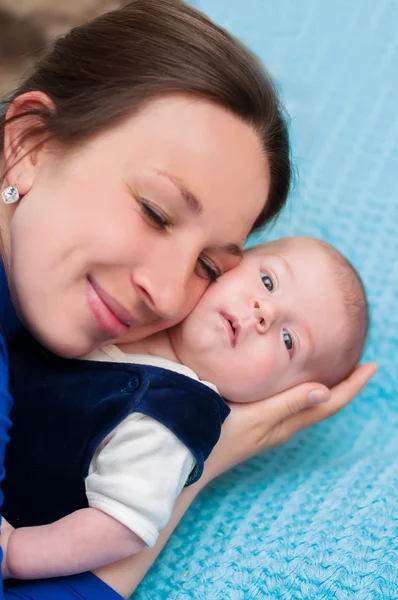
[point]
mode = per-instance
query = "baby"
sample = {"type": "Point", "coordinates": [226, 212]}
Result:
{"type": "Point", "coordinates": [102, 449]}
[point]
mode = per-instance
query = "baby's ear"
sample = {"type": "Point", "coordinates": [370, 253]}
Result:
{"type": "Point", "coordinates": [24, 138]}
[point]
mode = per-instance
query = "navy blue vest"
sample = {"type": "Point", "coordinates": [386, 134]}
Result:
{"type": "Point", "coordinates": [62, 411]}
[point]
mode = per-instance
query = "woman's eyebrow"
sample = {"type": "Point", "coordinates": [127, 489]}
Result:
{"type": "Point", "coordinates": [195, 206]}
{"type": "Point", "coordinates": [189, 198]}
{"type": "Point", "coordinates": [233, 249]}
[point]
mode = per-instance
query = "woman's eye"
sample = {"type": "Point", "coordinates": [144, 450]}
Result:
{"type": "Point", "coordinates": [288, 341]}
{"type": "Point", "coordinates": [209, 270]}
{"type": "Point", "coordinates": [154, 215]}
{"type": "Point", "coordinates": [267, 281]}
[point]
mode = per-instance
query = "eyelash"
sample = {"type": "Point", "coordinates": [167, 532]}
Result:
{"type": "Point", "coordinates": [159, 220]}
{"type": "Point", "coordinates": [163, 223]}
{"type": "Point", "coordinates": [264, 275]}
{"type": "Point", "coordinates": [212, 271]}
{"type": "Point", "coordinates": [291, 350]}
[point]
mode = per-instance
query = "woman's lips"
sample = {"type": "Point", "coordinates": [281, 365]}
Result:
{"type": "Point", "coordinates": [232, 326]}
{"type": "Point", "coordinates": [111, 317]}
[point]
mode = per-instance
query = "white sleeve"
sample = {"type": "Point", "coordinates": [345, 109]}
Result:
{"type": "Point", "coordinates": [137, 473]}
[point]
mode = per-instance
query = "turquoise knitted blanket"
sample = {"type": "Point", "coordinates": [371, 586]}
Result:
{"type": "Point", "coordinates": [317, 518]}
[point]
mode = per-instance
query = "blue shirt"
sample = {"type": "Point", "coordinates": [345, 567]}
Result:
{"type": "Point", "coordinates": [10, 328]}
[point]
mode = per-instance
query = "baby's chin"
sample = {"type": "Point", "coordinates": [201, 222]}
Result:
{"type": "Point", "coordinates": [243, 396]}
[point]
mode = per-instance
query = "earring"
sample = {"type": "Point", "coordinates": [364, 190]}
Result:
{"type": "Point", "coordinates": [10, 195]}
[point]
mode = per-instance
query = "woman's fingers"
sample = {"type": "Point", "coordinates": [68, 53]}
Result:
{"type": "Point", "coordinates": [315, 397]}
{"type": "Point", "coordinates": [342, 394]}
{"type": "Point", "coordinates": [256, 427]}
{"type": "Point", "coordinates": [292, 401]}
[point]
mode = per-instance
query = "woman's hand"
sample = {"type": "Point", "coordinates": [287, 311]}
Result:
{"type": "Point", "coordinates": [249, 430]}
{"type": "Point", "coordinates": [256, 427]}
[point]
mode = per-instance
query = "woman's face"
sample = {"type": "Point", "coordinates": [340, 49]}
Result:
{"type": "Point", "coordinates": [122, 236]}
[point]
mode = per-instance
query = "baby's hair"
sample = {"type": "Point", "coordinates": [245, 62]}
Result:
{"type": "Point", "coordinates": [356, 306]}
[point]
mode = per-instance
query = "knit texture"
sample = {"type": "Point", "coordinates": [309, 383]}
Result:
{"type": "Point", "coordinates": [318, 517]}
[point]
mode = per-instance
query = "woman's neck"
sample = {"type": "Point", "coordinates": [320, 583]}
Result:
{"type": "Point", "coordinates": [157, 344]}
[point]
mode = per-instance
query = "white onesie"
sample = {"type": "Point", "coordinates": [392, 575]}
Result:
{"type": "Point", "coordinates": [140, 468]}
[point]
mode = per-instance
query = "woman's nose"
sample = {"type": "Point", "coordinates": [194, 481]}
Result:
{"type": "Point", "coordinates": [166, 287]}
{"type": "Point", "coordinates": [266, 313]}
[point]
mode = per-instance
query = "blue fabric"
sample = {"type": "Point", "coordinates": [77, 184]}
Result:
{"type": "Point", "coordinates": [63, 409]}
{"type": "Point", "coordinates": [9, 326]}
{"type": "Point", "coordinates": [5, 422]}
{"type": "Point", "coordinates": [5, 407]}
{"type": "Point", "coordinates": [318, 517]}
{"type": "Point", "coordinates": [78, 587]}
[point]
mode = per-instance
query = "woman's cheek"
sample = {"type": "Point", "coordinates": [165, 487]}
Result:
{"type": "Point", "coordinates": [195, 291]}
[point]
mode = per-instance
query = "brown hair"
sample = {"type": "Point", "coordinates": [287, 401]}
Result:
{"type": "Point", "coordinates": [101, 72]}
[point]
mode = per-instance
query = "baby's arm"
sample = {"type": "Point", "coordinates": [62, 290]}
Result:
{"type": "Point", "coordinates": [79, 542]}
{"type": "Point", "coordinates": [134, 479]}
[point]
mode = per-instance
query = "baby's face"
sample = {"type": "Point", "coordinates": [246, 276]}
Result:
{"type": "Point", "coordinates": [274, 321]}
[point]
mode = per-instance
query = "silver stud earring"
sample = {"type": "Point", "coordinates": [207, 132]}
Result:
{"type": "Point", "coordinates": [10, 195]}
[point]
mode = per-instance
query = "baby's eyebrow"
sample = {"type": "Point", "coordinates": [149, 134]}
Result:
{"type": "Point", "coordinates": [288, 268]}
{"type": "Point", "coordinates": [311, 342]}
{"type": "Point", "coordinates": [286, 264]}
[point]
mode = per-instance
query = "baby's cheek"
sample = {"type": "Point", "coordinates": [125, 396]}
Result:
{"type": "Point", "coordinates": [250, 381]}
{"type": "Point", "coordinates": [267, 376]}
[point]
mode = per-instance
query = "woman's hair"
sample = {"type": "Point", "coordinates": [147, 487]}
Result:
{"type": "Point", "coordinates": [106, 70]}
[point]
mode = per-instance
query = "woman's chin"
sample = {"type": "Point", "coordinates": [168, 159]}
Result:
{"type": "Point", "coordinates": [67, 346]}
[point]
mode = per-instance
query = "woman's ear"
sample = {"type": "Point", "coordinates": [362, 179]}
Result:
{"type": "Point", "coordinates": [21, 150]}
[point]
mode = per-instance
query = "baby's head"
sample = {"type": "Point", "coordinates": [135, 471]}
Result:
{"type": "Point", "coordinates": [294, 310]}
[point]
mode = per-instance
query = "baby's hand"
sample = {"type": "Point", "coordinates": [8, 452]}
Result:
{"type": "Point", "coordinates": [6, 531]}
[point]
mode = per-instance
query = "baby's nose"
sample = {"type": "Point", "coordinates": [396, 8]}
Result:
{"type": "Point", "coordinates": [266, 313]}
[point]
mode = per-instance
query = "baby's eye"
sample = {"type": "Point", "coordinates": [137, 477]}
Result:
{"type": "Point", "coordinates": [267, 281]}
{"type": "Point", "coordinates": [287, 338]}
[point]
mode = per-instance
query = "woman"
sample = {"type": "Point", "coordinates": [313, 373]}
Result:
{"type": "Point", "coordinates": [144, 149]}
